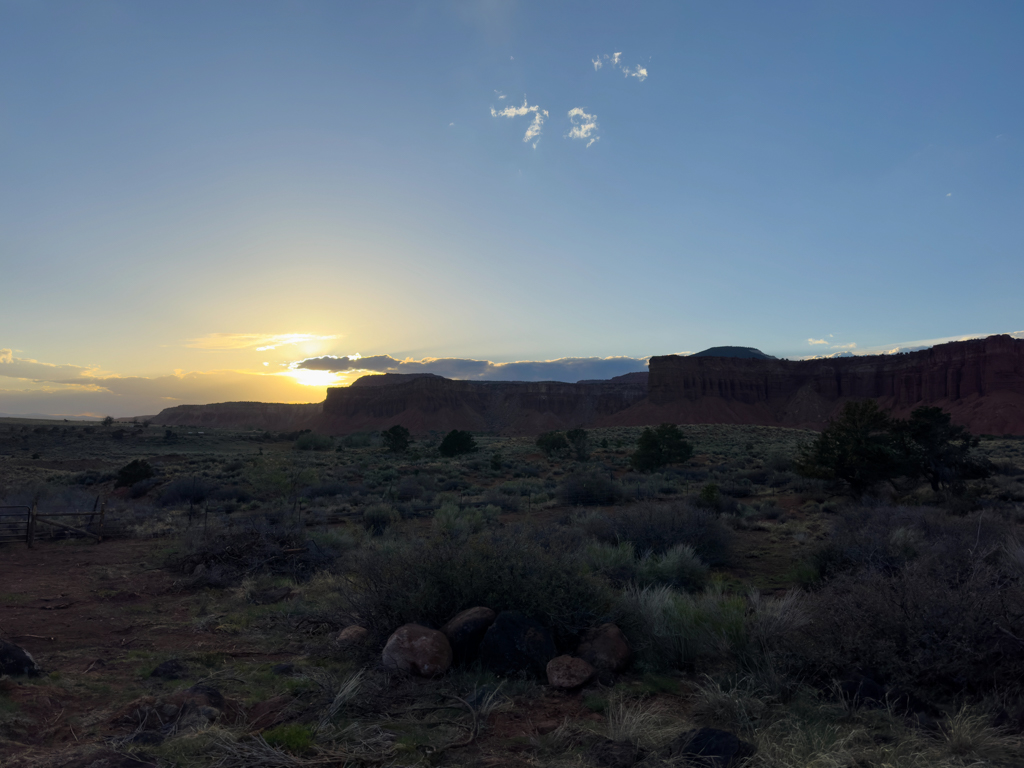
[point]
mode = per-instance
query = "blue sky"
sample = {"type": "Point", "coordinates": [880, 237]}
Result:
{"type": "Point", "coordinates": [182, 182]}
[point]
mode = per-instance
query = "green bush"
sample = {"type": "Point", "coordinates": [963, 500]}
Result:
{"type": "Point", "coordinates": [311, 441]}
{"type": "Point", "coordinates": [660, 446]}
{"type": "Point", "coordinates": [430, 580]}
{"type": "Point", "coordinates": [396, 439]}
{"type": "Point", "coordinates": [378, 517]}
{"type": "Point", "coordinates": [588, 489]}
{"type": "Point", "coordinates": [660, 526]}
{"type": "Point", "coordinates": [456, 443]}
{"type": "Point", "coordinates": [292, 737]}
{"type": "Point", "coordinates": [134, 472]}
{"type": "Point", "coordinates": [553, 444]}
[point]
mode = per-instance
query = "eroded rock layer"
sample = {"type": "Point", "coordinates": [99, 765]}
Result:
{"type": "Point", "coordinates": [980, 382]}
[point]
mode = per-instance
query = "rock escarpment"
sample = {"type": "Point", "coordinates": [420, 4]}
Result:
{"type": "Point", "coordinates": [979, 382]}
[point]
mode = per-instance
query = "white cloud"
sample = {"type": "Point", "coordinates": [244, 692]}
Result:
{"type": "Point", "coordinates": [584, 126]}
{"type": "Point", "coordinates": [817, 341]}
{"type": "Point", "coordinates": [536, 125]}
{"type": "Point", "coordinates": [500, 95]}
{"type": "Point", "coordinates": [6, 355]}
{"type": "Point", "coordinates": [851, 345]}
{"type": "Point", "coordinates": [640, 73]}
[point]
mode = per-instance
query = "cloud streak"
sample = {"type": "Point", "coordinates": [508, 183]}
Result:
{"type": "Point", "coordinates": [261, 342]}
{"type": "Point", "coordinates": [539, 116]}
{"type": "Point", "coordinates": [568, 369]}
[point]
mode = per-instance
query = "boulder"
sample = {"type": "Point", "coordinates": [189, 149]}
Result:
{"type": "Point", "coordinates": [606, 648]}
{"type": "Point", "coordinates": [466, 630]}
{"type": "Point", "coordinates": [568, 672]}
{"type": "Point", "coordinates": [269, 713]}
{"type": "Point", "coordinates": [16, 661]}
{"type": "Point", "coordinates": [422, 651]}
{"type": "Point", "coordinates": [172, 669]}
{"type": "Point", "coordinates": [353, 635]}
{"type": "Point", "coordinates": [514, 644]}
{"type": "Point", "coordinates": [710, 747]}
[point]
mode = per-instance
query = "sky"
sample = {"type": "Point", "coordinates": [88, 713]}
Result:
{"type": "Point", "coordinates": [212, 201]}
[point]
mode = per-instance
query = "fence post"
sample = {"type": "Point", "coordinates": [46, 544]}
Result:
{"type": "Point", "coordinates": [103, 512]}
{"type": "Point", "coordinates": [31, 532]}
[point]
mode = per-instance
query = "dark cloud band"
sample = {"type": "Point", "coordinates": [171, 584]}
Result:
{"type": "Point", "coordinates": [566, 369]}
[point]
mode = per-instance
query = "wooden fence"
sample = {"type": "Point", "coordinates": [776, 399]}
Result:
{"type": "Point", "coordinates": [21, 523]}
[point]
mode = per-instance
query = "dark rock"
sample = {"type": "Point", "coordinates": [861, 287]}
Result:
{"type": "Point", "coordinates": [16, 661]}
{"type": "Point", "coordinates": [172, 669]}
{"type": "Point", "coordinates": [568, 672]}
{"type": "Point", "coordinates": [606, 648]}
{"type": "Point", "coordinates": [466, 631]}
{"type": "Point", "coordinates": [422, 651]}
{"type": "Point", "coordinates": [515, 643]}
{"type": "Point", "coordinates": [353, 635]}
{"type": "Point", "coordinates": [614, 754]}
{"type": "Point", "coordinates": [152, 738]}
{"type": "Point", "coordinates": [271, 596]}
{"type": "Point", "coordinates": [283, 669]}
{"type": "Point", "coordinates": [710, 747]}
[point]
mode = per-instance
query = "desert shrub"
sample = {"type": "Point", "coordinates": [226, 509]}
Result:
{"type": "Point", "coordinates": [134, 472]}
{"type": "Point", "coordinates": [430, 580]}
{"type": "Point", "coordinates": [356, 440]}
{"type": "Point", "coordinates": [259, 545]}
{"type": "Point", "coordinates": [587, 489]}
{"type": "Point", "coordinates": [456, 443]}
{"type": "Point", "coordinates": [509, 502]}
{"type": "Point", "coordinates": [141, 488]}
{"type": "Point", "coordinates": [312, 441]}
{"type": "Point", "coordinates": [660, 446]}
{"type": "Point", "coordinates": [579, 441]}
{"type": "Point", "coordinates": [553, 444]}
{"type": "Point", "coordinates": [678, 567]}
{"type": "Point", "coordinates": [378, 517]}
{"type": "Point", "coordinates": [396, 439]}
{"type": "Point", "coordinates": [185, 490]}
{"type": "Point", "coordinates": [673, 630]}
{"type": "Point", "coordinates": [454, 522]}
{"type": "Point", "coordinates": [931, 627]}
{"type": "Point", "coordinates": [616, 562]}
{"type": "Point", "coordinates": [660, 526]}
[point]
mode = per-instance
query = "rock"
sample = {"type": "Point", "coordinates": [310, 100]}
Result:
{"type": "Point", "coordinates": [466, 630]}
{"type": "Point", "coordinates": [515, 643]}
{"type": "Point", "coordinates": [606, 648]}
{"type": "Point", "coordinates": [614, 754]}
{"type": "Point", "coordinates": [283, 669]}
{"type": "Point", "coordinates": [353, 635]}
{"type": "Point", "coordinates": [710, 747]}
{"type": "Point", "coordinates": [412, 648]}
{"type": "Point", "coordinates": [172, 669]}
{"type": "Point", "coordinates": [271, 596]}
{"type": "Point", "coordinates": [568, 672]}
{"type": "Point", "coordinates": [16, 661]}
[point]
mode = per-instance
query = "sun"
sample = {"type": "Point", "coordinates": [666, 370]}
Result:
{"type": "Point", "coordinates": [314, 378]}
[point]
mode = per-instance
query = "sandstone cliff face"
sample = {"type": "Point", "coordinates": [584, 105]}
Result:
{"type": "Point", "coordinates": [508, 407]}
{"type": "Point", "coordinates": [980, 382]}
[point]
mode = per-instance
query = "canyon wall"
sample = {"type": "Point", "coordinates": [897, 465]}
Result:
{"type": "Point", "coordinates": [980, 382]}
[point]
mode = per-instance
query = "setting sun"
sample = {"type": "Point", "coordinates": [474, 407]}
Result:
{"type": "Point", "coordinates": [314, 378]}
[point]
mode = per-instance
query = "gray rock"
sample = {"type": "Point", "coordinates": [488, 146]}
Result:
{"type": "Point", "coordinates": [16, 661]}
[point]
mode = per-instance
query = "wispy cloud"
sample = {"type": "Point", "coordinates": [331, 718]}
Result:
{"type": "Point", "coordinates": [261, 342]}
{"type": "Point", "coordinates": [584, 126]}
{"type": "Point", "coordinates": [500, 95]}
{"type": "Point", "coordinates": [6, 355]}
{"type": "Point", "coordinates": [539, 115]}
{"type": "Point", "coordinates": [812, 342]}
{"type": "Point", "coordinates": [569, 369]}
{"type": "Point", "coordinates": [615, 61]}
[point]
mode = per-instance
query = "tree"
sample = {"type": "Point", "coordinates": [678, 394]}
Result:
{"type": "Point", "coordinates": [396, 439]}
{"type": "Point", "coordinates": [553, 444]}
{"type": "Point", "coordinates": [134, 472]}
{"type": "Point", "coordinates": [859, 447]}
{"type": "Point", "coordinates": [660, 446]}
{"type": "Point", "coordinates": [456, 443]}
{"type": "Point", "coordinates": [939, 451]}
{"type": "Point", "coordinates": [107, 421]}
{"type": "Point", "coordinates": [580, 442]}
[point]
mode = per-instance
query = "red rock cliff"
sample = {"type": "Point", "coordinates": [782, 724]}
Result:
{"type": "Point", "coordinates": [980, 382]}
